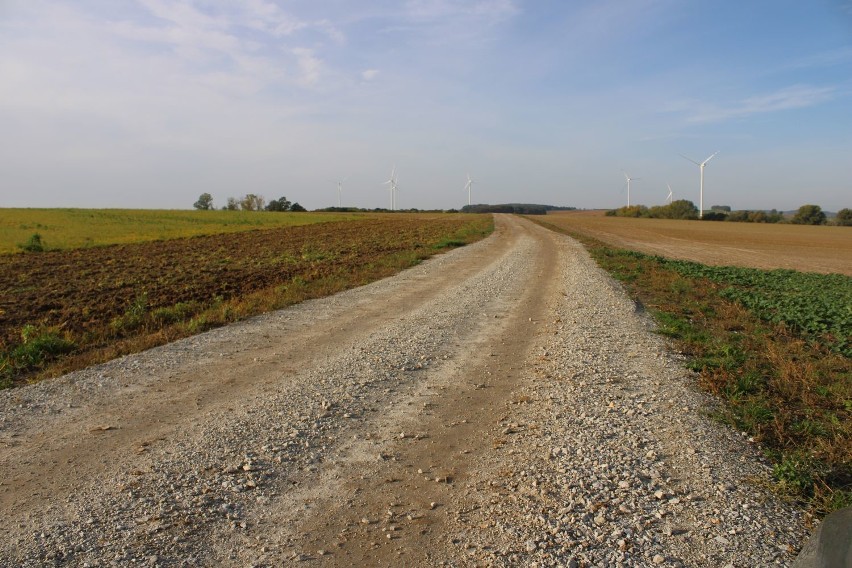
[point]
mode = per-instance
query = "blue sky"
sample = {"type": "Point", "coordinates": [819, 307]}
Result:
{"type": "Point", "coordinates": [148, 103]}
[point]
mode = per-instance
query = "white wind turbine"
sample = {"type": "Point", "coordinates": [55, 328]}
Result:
{"type": "Point", "coordinates": [629, 179]}
{"type": "Point", "coordinates": [467, 187]}
{"type": "Point", "coordinates": [392, 181]}
{"type": "Point", "coordinates": [339, 190]}
{"type": "Point", "coordinates": [669, 198]}
{"type": "Point", "coordinates": [701, 185]}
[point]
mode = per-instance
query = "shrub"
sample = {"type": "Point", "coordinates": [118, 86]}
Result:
{"type": "Point", "coordinates": [844, 217]}
{"type": "Point", "coordinates": [34, 244]}
{"type": "Point", "coordinates": [809, 215]}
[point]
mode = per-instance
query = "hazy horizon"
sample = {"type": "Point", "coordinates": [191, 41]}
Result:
{"type": "Point", "coordinates": [149, 103]}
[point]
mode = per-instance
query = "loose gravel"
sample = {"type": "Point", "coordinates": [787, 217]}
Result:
{"type": "Point", "coordinates": [615, 460]}
{"type": "Point", "coordinates": [607, 455]}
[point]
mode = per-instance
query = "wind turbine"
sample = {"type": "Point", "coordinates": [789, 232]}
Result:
{"type": "Point", "coordinates": [339, 189]}
{"type": "Point", "coordinates": [392, 181]}
{"type": "Point", "coordinates": [669, 198]}
{"type": "Point", "coordinates": [701, 185]}
{"type": "Point", "coordinates": [629, 179]}
{"type": "Point", "coordinates": [467, 187]}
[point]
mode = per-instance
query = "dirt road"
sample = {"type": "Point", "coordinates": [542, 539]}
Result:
{"type": "Point", "coordinates": [503, 404]}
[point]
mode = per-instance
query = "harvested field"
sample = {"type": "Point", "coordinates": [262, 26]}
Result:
{"type": "Point", "coordinates": [755, 245]}
{"type": "Point", "coordinates": [95, 297]}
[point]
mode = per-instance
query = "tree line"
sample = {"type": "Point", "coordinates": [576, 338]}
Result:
{"type": "Point", "coordinates": [248, 202]}
{"type": "Point", "coordinates": [808, 214]}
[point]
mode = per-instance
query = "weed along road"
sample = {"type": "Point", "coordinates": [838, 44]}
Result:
{"type": "Point", "coordinates": [502, 404]}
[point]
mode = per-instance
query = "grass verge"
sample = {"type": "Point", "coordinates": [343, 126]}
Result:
{"type": "Point", "coordinates": [774, 345]}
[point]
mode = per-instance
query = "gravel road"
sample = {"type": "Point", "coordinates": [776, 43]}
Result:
{"type": "Point", "coordinates": [504, 404]}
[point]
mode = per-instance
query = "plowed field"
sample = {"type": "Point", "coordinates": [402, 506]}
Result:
{"type": "Point", "coordinates": [754, 245]}
{"type": "Point", "coordinates": [97, 295]}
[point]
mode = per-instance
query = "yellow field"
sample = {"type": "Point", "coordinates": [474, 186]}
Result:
{"type": "Point", "coordinates": [824, 249]}
{"type": "Point", "coordinates": [79, 228]}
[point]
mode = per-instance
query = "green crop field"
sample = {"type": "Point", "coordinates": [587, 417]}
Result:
{"type": "Point", "coordinates": [816, 306]}
{"type": "Point", "coordinates": [62, 229]}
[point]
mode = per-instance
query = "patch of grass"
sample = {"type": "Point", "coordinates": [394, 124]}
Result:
{"type": "Point", "coordinates": [774, 345]}
{"type": "Point", "coordinates": [33, 244]}
{"type": "Point", "coordinates": [38, 347]}
{"type": "Point", "coordinates": [134, 318]}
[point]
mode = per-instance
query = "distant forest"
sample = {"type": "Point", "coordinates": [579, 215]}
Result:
{"type": "Point", "coordinates": [519, 208]}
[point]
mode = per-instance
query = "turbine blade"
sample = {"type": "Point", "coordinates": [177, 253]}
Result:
{"type": "Point", "coordinates": [708, 159]}
{"type": "Point", "coordinates": [690, 159]}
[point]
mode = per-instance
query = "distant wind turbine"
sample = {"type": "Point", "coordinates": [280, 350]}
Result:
{"type": "Point", "coordinates": [467, 187]}
{"type": "Point", "coordinates": [701, 184]}
{"type": "Point", "coordinates": [669, 198]}
{"type": "Point", "coordinates": [339, 189]}
{"type": "Point", "coordinates": [629, 179]}
{"type": "Point", "coordinates": [392, 181]}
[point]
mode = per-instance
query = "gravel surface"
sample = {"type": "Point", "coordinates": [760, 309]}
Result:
{"type": "Point", "coordinates": [317, 434]}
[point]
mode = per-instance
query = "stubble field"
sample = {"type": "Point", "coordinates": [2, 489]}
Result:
{"type": "Point", "coordinates": [756, 245]}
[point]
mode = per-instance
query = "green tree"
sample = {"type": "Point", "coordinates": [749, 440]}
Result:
{"type": "Point", "coordinates": [231, 205]}
{"type": "Point", "coordinates": [844, 217]}
{"type": "Point", "coordinates": [278, 205]}
{"type": "Point", "coordinates": [683, 209]}
{"type": "Point", "coordinates": [809, 215]}
{"type": "Point", "coordinates": [297, 208]}
{"type": "Point", "coordinates": [252, 202]}
{"type": "Point", "coordinates": [204, 203]}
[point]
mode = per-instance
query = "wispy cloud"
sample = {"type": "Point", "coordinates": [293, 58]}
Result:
{"type": "Point", "coordinates": [369, 74]}
{"type": "Point", "coordinates": [788, 98]}
{"type": "Point", "coordinates": [441, 9]}
{"type": "Point", "coordinates": [310, 67]}
{"type": "Point", "coordinates": [824, 59]}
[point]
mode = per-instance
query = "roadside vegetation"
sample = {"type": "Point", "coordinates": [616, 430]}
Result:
{"type": "Point", "coordinates": [65, 310]}
{"type": "Point", "coordinates": [773, 344]}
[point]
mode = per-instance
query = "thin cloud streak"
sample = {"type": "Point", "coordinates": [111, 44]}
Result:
{"type": "Point", "coordinates": [788, 98]}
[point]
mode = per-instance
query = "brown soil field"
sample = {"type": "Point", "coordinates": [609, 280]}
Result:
{"type": "Point", "coordinates": [85, 293]}
{"type": "Point", "coordinates": [822, 249]}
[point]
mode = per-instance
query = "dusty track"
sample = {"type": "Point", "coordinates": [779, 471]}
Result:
{"type": "Point", "coordinates": [373, 427]}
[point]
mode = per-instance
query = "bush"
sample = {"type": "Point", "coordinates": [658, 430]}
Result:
{"type": "Point", "coordinates": [631, 211]}
{"type": "Point", "coordinates": [34, 244]}
{"type": "Point", "coordinates": [809, 215]}
{"type": "Point", "coordinates": [746, 216]}
{"type": "Point", "coordinates": [844, 217]}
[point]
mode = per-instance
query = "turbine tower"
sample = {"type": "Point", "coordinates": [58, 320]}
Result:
{"type": "Point", "coordinates": [701, 183]}
{"type": "Point", "coordinates": [467, 187]}
{"type": "Point", "coordinates": [339, 189]}
{"type": "Point", "coordinates": [629, 179]}
{"type": "Point", "coordinates": [392, 181]}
